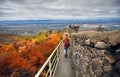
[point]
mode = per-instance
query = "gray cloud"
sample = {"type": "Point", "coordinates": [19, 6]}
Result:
{"type": "Point", "coordinates": [116, 2]}
{"type": "Point", "coordinates": [58, 9]}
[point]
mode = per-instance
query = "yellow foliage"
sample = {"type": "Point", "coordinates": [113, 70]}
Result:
{"type": "Point", "coordinates": [60, 35]}
{"type": "Point", "coordinates": [41, 37]}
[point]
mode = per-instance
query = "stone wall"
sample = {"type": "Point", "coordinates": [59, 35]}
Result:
{"type": "Point", "coordinates": [89, 61]}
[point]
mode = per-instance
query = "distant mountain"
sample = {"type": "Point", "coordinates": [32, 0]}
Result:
{"type": "Point", "coordinates": [81, 21]}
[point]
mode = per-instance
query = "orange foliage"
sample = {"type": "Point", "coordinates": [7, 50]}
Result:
{"type": "Point", "coordinates": [8, 48]}
{"type": "Point", "coordinates": [33, 54]}
{"type": "Point", "coordinates": [13, 62]}
{"type": "Point", "coordinates": [25, 57]}
{"type": "Point", "coordinates": [55, 39]}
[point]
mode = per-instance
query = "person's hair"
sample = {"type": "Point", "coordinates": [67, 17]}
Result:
{"type": "Point", "coordinates": [66, 35]}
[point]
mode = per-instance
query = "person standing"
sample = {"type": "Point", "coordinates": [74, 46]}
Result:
{"type": "Point", "coordinates": [66, 41]}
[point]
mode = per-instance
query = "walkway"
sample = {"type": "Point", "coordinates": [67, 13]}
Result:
{"type": "Point", "coordinates": [64, 68]}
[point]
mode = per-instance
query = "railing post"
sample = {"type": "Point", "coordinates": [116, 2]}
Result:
{"type": "Point", "coordinates": [58, 53]}
{"type": "Point", "coordinates": [50, 68]}
{"type": "Point", "coordinates": [61, 46]}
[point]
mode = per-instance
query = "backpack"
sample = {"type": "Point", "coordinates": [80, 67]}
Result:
{"type": "Point", "coordinates": [67, 44]}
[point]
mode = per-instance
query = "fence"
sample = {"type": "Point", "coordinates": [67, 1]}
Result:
{"type": "Point", "coordinates": [49, 67]}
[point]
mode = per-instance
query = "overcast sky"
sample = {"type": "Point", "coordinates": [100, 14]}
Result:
{"type": "Point", "coordinates": [58, 9]}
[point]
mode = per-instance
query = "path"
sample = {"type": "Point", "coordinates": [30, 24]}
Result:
{"type": "Point", "coordinates": [64, 68]}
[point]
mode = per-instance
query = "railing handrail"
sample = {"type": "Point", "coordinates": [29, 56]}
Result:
{"type": "Point", "coordinates": [47, 61]}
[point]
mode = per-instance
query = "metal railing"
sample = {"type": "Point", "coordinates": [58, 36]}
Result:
{"type": "Point", "coordinates": [49, 67]}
